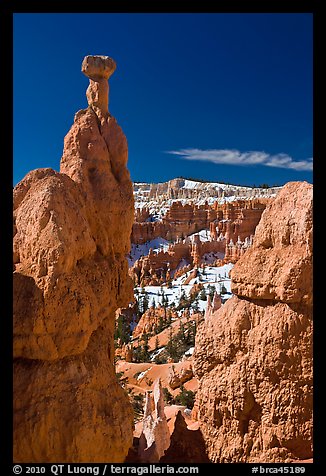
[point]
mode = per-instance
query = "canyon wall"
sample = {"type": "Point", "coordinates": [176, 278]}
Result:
{"type": "Point", "coordinates": [253, 356]}
{"type": "Point", "coordinates": [71, 236]}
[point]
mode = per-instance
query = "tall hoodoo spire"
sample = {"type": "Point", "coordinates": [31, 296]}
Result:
{"type": "Point", "coordinates": [71, 236]}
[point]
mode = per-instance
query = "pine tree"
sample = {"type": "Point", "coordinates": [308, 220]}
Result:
{"type": "Point", "coordinates": [170, 347]}
{"type": "Point", "coordinates": [169, 317]}
{"type": "Point", "coordinates": [182, 334]}
{"type": "Point", "coordinates": [122, 330]}
{"type": "Point", "coordinates": [202, 295]}
{"type": "Point", "coordinates": [211, 291]}
{"type": "Point", "coordinates": [167, 396]}
{"type": "Point", "coordinates": [185, 397]}
{"type": "Point", "coordinates": [195, 305]}
{"type": "Point", "coordinates": [160, 326]}
{"type": "Point", "coordinates": [145, 348]}
{"type": "Point", "coordinates": [144, 302]}
{"type": "Point", "coordinates": [156, 343]}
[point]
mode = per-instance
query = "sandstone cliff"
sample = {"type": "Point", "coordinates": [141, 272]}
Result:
{"type": "Point", "coordinates": [71, 235]}
{"type": "Point", "coordinates": [253, 356]}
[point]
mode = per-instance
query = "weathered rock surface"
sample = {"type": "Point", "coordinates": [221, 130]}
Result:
{"type": "Point", "coordinates": [71, 235]}
{"type": "Point", "coordinates": [282, 251]}
{"type": "Point", "coordinates": [98, 69]}
{"type": "Point", "coordinates": [155, 437]}
{"type": "Point", "coordinates": [253, 356]}
{"type": "Point", "coordinates": [176, 379]}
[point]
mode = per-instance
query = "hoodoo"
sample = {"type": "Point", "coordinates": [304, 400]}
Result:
{"type": "Point", "coordinates": [71, 236]}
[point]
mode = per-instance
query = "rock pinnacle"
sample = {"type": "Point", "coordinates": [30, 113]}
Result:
{"type": "Point", "coordinates": [98, 69]}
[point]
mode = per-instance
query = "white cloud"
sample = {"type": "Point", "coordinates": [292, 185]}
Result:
{"type": "Point", "coordinates": [235, 157]}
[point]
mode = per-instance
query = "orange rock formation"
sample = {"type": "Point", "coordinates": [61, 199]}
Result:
{"type": "Point", "coordinates": [71, 235]}
{"type": "Point", "coordinates": [231, 225]}
{"type": "Point", "coordinates": [236, 219]}
{"type": "Point", "coordinates": [253, 356]}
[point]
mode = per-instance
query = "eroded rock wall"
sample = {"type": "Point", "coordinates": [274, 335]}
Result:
{"type": "Point", "coordinates": [253, 356]}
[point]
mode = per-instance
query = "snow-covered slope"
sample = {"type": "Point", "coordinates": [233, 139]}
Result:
{"type": "Point", "coordinates": [157, 244]}
{"type": "Point", "coordinates": [217, 277]}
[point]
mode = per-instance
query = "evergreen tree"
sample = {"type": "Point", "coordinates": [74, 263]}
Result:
{"type": "Point", "coordinates": [160, 326]}
{"type": "Point", "coordinates": [167, 396]}
{"type": "Point", "coordinates": [185, 397]}
{"type": "Point", "coordinates": [171, 346]}
{"type": "Point", "coordinates": [145, 348]}
{"type": "Point", "coordinates": [143, 302]}
{"type": "Point", "coordinates": [195, 305]}
{"type": "Point", "coordinates": [137, 402]}
{"type": "Point", "coordinates": [156, 343]}
{"type": "Point", "coordinates": [169, 317]}
{"type": "Point", "coordinates": [122, 330]}
{"type": "Point", "coordinates": [191, 333]}
{"type": "Point", "coordinates": [163, 301]}
{"type": "Point", "coordinates": [182, 334]}
{"type": "Point", "coordinates": [211, 291]}
{"type": "Point", "coordinates": [183, 302]}
{"type": "Point", "coordinates": [202, 295]}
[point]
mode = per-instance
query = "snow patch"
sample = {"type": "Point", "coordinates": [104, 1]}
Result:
{"type": "Point", "coordinates": [190, 351]}
{"type": "Point", "coordinates": [157, 244]}
{"type": "Point", "coordinates": [216, 276]}
{"type": "Point", "coordinates": [156, 353]}
{"type": "Point", "coordinates": [142, 374]}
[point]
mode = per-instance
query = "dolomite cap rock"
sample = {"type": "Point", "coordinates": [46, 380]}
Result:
{"type": "Point", "coordinates": [98, 67]}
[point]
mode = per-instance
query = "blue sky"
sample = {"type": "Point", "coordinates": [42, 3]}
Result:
{"type": "Point", "coordinates": [213, 96]}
